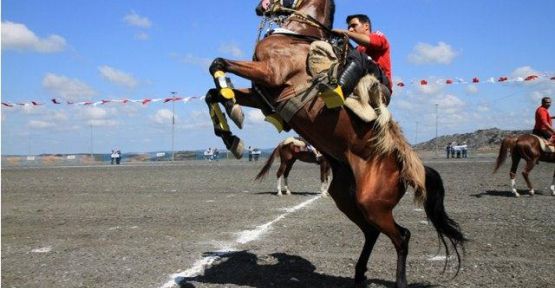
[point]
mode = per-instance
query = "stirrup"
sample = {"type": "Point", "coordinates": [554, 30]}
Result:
{"type": "Point", "coordinates": [275, 120]}
{"type": "Point", "coordinates": [333, 97]}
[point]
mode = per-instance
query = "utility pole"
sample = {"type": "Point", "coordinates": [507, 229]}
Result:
{"type": "Point", "coordinates": [436, 128]}
{"type": "Point", "coordinates": [92, 147]}
{"type": "Point", "coordinates": [416, 134]}
{"type": "Point", "coordinates": [173, 125]}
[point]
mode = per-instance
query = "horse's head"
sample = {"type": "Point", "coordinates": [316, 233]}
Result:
{"type": "Point", "coordinates": [321, 10]}
{"type": "Point", "coordinates": [280, 7]}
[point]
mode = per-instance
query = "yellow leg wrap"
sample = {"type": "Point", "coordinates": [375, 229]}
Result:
{"type": "Point", "coordinates": [218, 117]}
{"type": "Point", "coordinates": [275, 120]}
{"type": "Point", "coordinates": [224, 84]}
{"type": "Point", "coordinates": [333, 97]}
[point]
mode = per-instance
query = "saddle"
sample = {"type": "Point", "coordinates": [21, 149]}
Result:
{"type": "Point", "coordinates": [296, 142]}
{"type": "Point", "coordinates": [323, 65]}
{"type": "Point", "coordinates": [546, 145]}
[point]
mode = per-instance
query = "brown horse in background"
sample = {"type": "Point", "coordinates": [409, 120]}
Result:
{"type": "Point", "coordinates": [527, 147]}
{"type": "Point", "coordinates": [289, 152]}
{"type": "Point", "coordinates": [372, 163]}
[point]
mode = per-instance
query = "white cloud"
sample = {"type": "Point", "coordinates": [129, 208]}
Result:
{"type": "Point", "coordinates": [66, 88]}
{"type": "Point", "coordinates": [94, 113]}
{"type": "Point", "coordinates": [424, 53]}
{"type": "Point", "coordinates": [471, 89]}
{"type": "Point", "coordinates": [17, 36]}
{"type": "Point", "coordinates": [102, 123]}
{"type": "Point", "coordinates": [255, 116]}
{"type": "Point", "coordinates": [117, 76]}
{"type": "Point", "coordinates": [163, 116]}
{"type": "Point", "coordinates": [523, 72]}
{"type": "Point", "coordinates": [142, 36]}
{"type": "Point", "coordinates": [37, 124]}
{"type": "Point", "coordinates": [134, 19]}
{"type": "Point", "coordinates": [190, 59]}
{"type": "Point", "coordinates": [231, 48]}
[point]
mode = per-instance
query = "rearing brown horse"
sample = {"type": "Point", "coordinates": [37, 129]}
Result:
{"type": "Point", "coordinates": [372, 165]}
{"type": "Point", "coordinates": [527, 147]}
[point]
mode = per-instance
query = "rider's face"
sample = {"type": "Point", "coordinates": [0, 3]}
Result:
{"type": "Point", "coordinates": [356, 26]}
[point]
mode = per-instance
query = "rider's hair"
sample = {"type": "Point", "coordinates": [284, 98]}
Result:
{"type": "Point", "coordinates": [544, 99]}
{"type": "Point", "coordinates": [362, 18]}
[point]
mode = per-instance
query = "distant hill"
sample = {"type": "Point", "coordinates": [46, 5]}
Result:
{"type": "Point", "coordinates": [479, 140]}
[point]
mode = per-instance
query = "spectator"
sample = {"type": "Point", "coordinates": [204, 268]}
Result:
{"type": "Point", "coordinates": [448, 150]}
{"type": "Point", "coordinates": [250, 153]}
{"type": "Point", "coordinates": [118, 156]}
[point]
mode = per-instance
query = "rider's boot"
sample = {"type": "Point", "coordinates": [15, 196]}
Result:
{"type": "Point", "coordinates": [334, 95]}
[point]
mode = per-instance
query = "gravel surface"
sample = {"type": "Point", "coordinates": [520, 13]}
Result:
{"type": "Point", "coordinates": [135, 226]}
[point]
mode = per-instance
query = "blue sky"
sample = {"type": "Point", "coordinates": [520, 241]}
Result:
{"type": "Point", "coordinates": [94, 50]}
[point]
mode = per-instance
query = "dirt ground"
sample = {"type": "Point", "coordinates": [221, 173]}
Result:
{"type": "Point", "coordinates": [135, 226]}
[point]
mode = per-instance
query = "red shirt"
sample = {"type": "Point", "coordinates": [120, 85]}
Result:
{"type": "Point", "coordinates": [542, 119]}
{"type": "Point", "coordinates": [378, 49]}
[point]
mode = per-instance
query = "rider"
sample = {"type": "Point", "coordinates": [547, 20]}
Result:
{"type": "Point", "coordinates": [372, 56]}
{"type": "Point", "coordinates": [543, 127]}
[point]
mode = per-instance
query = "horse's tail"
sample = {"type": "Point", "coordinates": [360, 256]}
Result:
{"type": "Point", "coordinates": [508, 143]}
{"type": "Point", "coordinates": [268, 164]}
{"type": "Point", "coordinates": [435, 210]}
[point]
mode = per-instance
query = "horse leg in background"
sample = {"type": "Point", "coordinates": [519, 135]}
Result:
{"type": "Point", "coordinates": [279, 175]}
{"type": "Point", "coordinates": [324, 178]}
{"type": "Point", "coordinates": [552, 186]}
{"type": "Point", "coordinates": [341, 189]}
{"type": "Point", "coordinates": [515, 159]}
{"type": "Point", "coordinates": [527, 169]}
{"type": "Point", "coordinates": [288, 168]}
{"type": "Point", "coordinates": [378, 192]}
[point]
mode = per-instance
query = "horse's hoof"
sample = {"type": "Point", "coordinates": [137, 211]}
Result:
{"type": "Point", "coordinates": [516, 194]}
{"type": "Point", "coordinates": [532, 192]}
{"type": "Point", "coordinates": [288, 192]}
{"type": "Point", "coordinates": [236, 114]}
{"type": "Point", "coordinates": [325, 194]}
{"type": "Point", "coordinates": [237, 148]}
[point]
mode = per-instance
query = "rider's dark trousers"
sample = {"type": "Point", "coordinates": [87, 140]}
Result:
{"type": "Point", "coordinates": [542, 133]}
{"type": "Point", "coordinates": [365, 62]}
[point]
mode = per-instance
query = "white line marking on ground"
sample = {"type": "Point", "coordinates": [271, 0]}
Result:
{"type": "Point", "coordinates": [42, 250]}
{"type": "Point", "coordinates": [438, 258]}
{"type": "Point", "coordinates": [200, 266]}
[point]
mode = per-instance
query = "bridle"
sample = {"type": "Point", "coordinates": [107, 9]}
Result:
{"type": "Point", "coordinates": [279, 11]}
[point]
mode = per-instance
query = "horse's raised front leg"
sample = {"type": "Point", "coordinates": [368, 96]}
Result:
{"type": "Point", "coordinates": [221, 127]}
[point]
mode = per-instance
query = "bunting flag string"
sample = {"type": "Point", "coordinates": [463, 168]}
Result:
{"type": "Point", "coordinates": [475, 80]}
{"type": "Point", "coordinates": [105, 101]}
{"type": "Point", "coordinates": [401, 84]}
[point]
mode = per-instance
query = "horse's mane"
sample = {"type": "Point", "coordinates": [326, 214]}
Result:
{"type": "Point", "coordinates": [331, 13]}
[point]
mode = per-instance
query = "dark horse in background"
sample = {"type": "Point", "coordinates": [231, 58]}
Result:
{"type": "Point", "coordinates": [289, 151]}
{"type": "Point", "coordinates": [372, 164]}
{"type": "Point", "coordinates": [529, 148]}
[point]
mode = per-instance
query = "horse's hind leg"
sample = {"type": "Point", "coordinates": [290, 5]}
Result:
{"type": "Point", "coordinates": [279, 175]}
{"type": "Point", "coordinates": [341, 190]}
{"type": "Point", "coordinates": [286, 175]}
{"type": "Point", "coordinates": [526, 173]}
{"type": "Point", "coordinates": [378, 192]}
{"type": "Point", "coordinates": [512, 174]}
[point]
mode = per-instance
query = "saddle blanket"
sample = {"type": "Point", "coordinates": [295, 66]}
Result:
{"type": "Point", "coordinates": [545, 145]}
